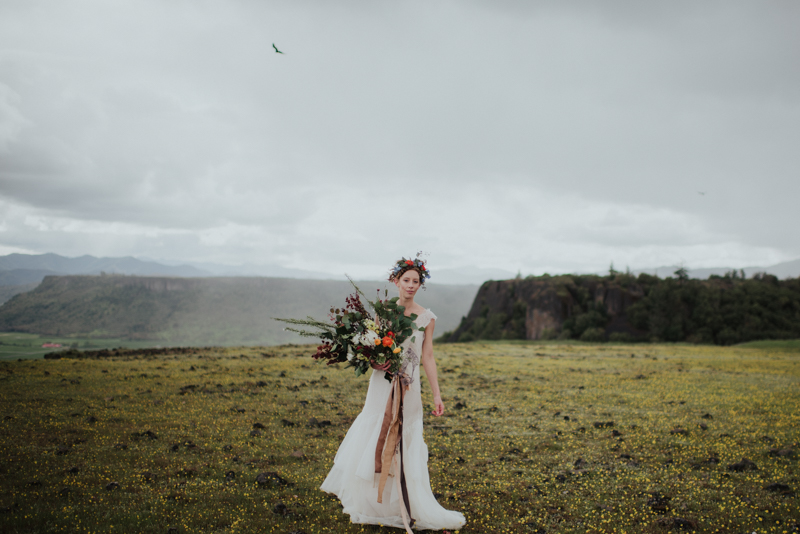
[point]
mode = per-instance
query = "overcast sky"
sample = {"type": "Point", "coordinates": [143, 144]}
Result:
{"type": "Point", "coordinates": [533, 136]}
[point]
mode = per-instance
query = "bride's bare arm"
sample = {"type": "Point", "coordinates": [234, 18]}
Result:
{"type": "Point", "coordinates": [429, 364]}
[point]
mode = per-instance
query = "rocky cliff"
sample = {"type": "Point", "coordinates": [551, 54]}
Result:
{"type": "Point", "coordinates": [539, 308]}
{"type": "Point", "coordinates": [621, 307]}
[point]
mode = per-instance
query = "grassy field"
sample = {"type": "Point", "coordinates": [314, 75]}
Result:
{"type": "Point", "coordinates": [15, 345]}
{"type": "Point", "coordinates": [538, 438]}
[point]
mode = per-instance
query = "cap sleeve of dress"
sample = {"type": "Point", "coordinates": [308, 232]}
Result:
{"type": "Point", "coordinates": [425, 318]}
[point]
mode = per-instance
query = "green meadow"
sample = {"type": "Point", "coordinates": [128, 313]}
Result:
{"type": "Point", "coordinates": [16, 345]}
{"type": "Point", "coordinates": [537, 438]}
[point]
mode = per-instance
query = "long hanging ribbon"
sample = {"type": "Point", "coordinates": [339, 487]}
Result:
{"type": "Point", "coordinates": [389, 442]}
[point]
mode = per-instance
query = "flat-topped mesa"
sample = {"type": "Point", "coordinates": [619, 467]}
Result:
{"type": "Point", "coordinates": [621, 307]}
{"type": "Point", "coordinates": [151, 283]}
{"type": "Point", "coordinates": [538, 308]}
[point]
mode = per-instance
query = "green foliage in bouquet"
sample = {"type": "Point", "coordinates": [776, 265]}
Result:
{"type": "Point", "coordinates": [353, 335]}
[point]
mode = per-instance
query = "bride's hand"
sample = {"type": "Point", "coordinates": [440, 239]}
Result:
{"type": "Point", "coordinates": [439, 407]}
{"type": "Point", "coordinates": [380, 367]}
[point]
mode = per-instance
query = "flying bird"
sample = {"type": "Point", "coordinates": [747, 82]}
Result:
{"type": "Point", "coordinates": [276, 49]}
{"type": "Point", "coordinates": [701, 193]}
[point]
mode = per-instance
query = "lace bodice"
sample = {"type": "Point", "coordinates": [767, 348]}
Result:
{"type": "Point", "coordinates": [412, 347]}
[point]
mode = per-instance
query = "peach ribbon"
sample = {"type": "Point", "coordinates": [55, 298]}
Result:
{"type": "Point", "coordinates": [389, 443]}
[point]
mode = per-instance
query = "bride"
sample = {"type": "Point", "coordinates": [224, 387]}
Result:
{"type": "Point", "coordinates": [355, 475]}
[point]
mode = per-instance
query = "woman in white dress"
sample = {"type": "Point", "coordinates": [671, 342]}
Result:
{"type": "Point", "coordinates": [353, 477]}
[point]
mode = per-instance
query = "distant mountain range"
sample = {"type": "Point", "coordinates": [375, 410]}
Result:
{"type": "Point", "coordinates": [55, 264]}
{"type": "Point", "coordinates": [18, 269]}
{"type": "Point", "coordinates": [198, 311]}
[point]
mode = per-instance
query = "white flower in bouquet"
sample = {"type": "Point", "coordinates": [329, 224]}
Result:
{"type": "Point", "coordinates": [368, 338]}
{"type": "Point", "coordinates": [350, 355]}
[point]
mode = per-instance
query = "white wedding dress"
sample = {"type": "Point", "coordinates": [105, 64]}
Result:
{"type": "Point", "coordinates": [352, 477]}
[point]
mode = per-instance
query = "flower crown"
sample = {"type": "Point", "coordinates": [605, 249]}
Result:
{"type": "Point", "coordinates": [416, 263]}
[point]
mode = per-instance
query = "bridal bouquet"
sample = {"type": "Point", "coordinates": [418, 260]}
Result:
{"type": "Point", "coordinates": [354, 335]}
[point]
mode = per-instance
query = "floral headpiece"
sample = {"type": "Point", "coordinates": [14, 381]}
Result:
{"type": "Point", "coordinates": [404, 264]}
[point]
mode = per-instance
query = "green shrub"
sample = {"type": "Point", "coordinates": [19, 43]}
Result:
{"type": "Point", "coordinates": [549, 333]}
{"type": "Point", "coordinates": [593, 335]}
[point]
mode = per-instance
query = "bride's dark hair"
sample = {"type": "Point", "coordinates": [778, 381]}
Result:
{"type": "Point", "coordinates": [403, 265]}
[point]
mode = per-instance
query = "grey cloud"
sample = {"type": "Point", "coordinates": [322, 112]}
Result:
{"type": "Point", "coordinates": [181, 118]}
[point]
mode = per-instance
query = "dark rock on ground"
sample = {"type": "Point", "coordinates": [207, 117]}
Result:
{"type": "Point", "coordinates": [64, 491]}
{"type": "Point", "coordinates": [62, 450]}
{"type": "Point", "coordinates": [149, 477]}
{"type": "Point", "coordinates": [255, 433]}
{"type": "Point", "coordinates": [112, 486]}
{"type": "Point", "coordinates": [784, 453]}
{"type": "Point", "coordinates": [238, 410]}
{"type": "Point", "coordinates": [703, 426]}
{"type": "Point", "coordinates": [286, 422]}
{"type": "Point", "coordinates": [460, 405]}
{"type": "Point", "coordinates": [313, 423]}
{"type": "Point", "coordinates": [679, 432]}
{"type": "Point", "coordinates": [271, 479]}
{"type": "Point", "coordinates": [258, 425]}
{"type": "Point", "coordinates": [230, 475]}
{"type": "Point", "coordinates": [658, 503]}
{"type": "Point", "coordinates": [777, 487]}
{"type": "Point", "coordinates": [73, 470]}
{"type": "Point", "coordinates": [580, 463]}
{"type": "Point", "coordinates": [281, 509]}
{"type": "Point", "coordinates": [149, 434]}
{"type": "Point", "coordinates": [91, 419]}
{"type": "Point", "coordinates": [227, 448]}
{"type": "Point", "coordinates": [603, 424]}
{"type": "Point", "coordinates": [707, 416]}
{"type": "Point", "coordinates": [121, 446]}
{"type": "Point", "coordinates": [743, 465]}
{"type": "Point", "coordinates": [616, 433]}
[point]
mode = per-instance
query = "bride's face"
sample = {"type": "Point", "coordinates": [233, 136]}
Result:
{"type": "Point", "coordinates": [408, 284]}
